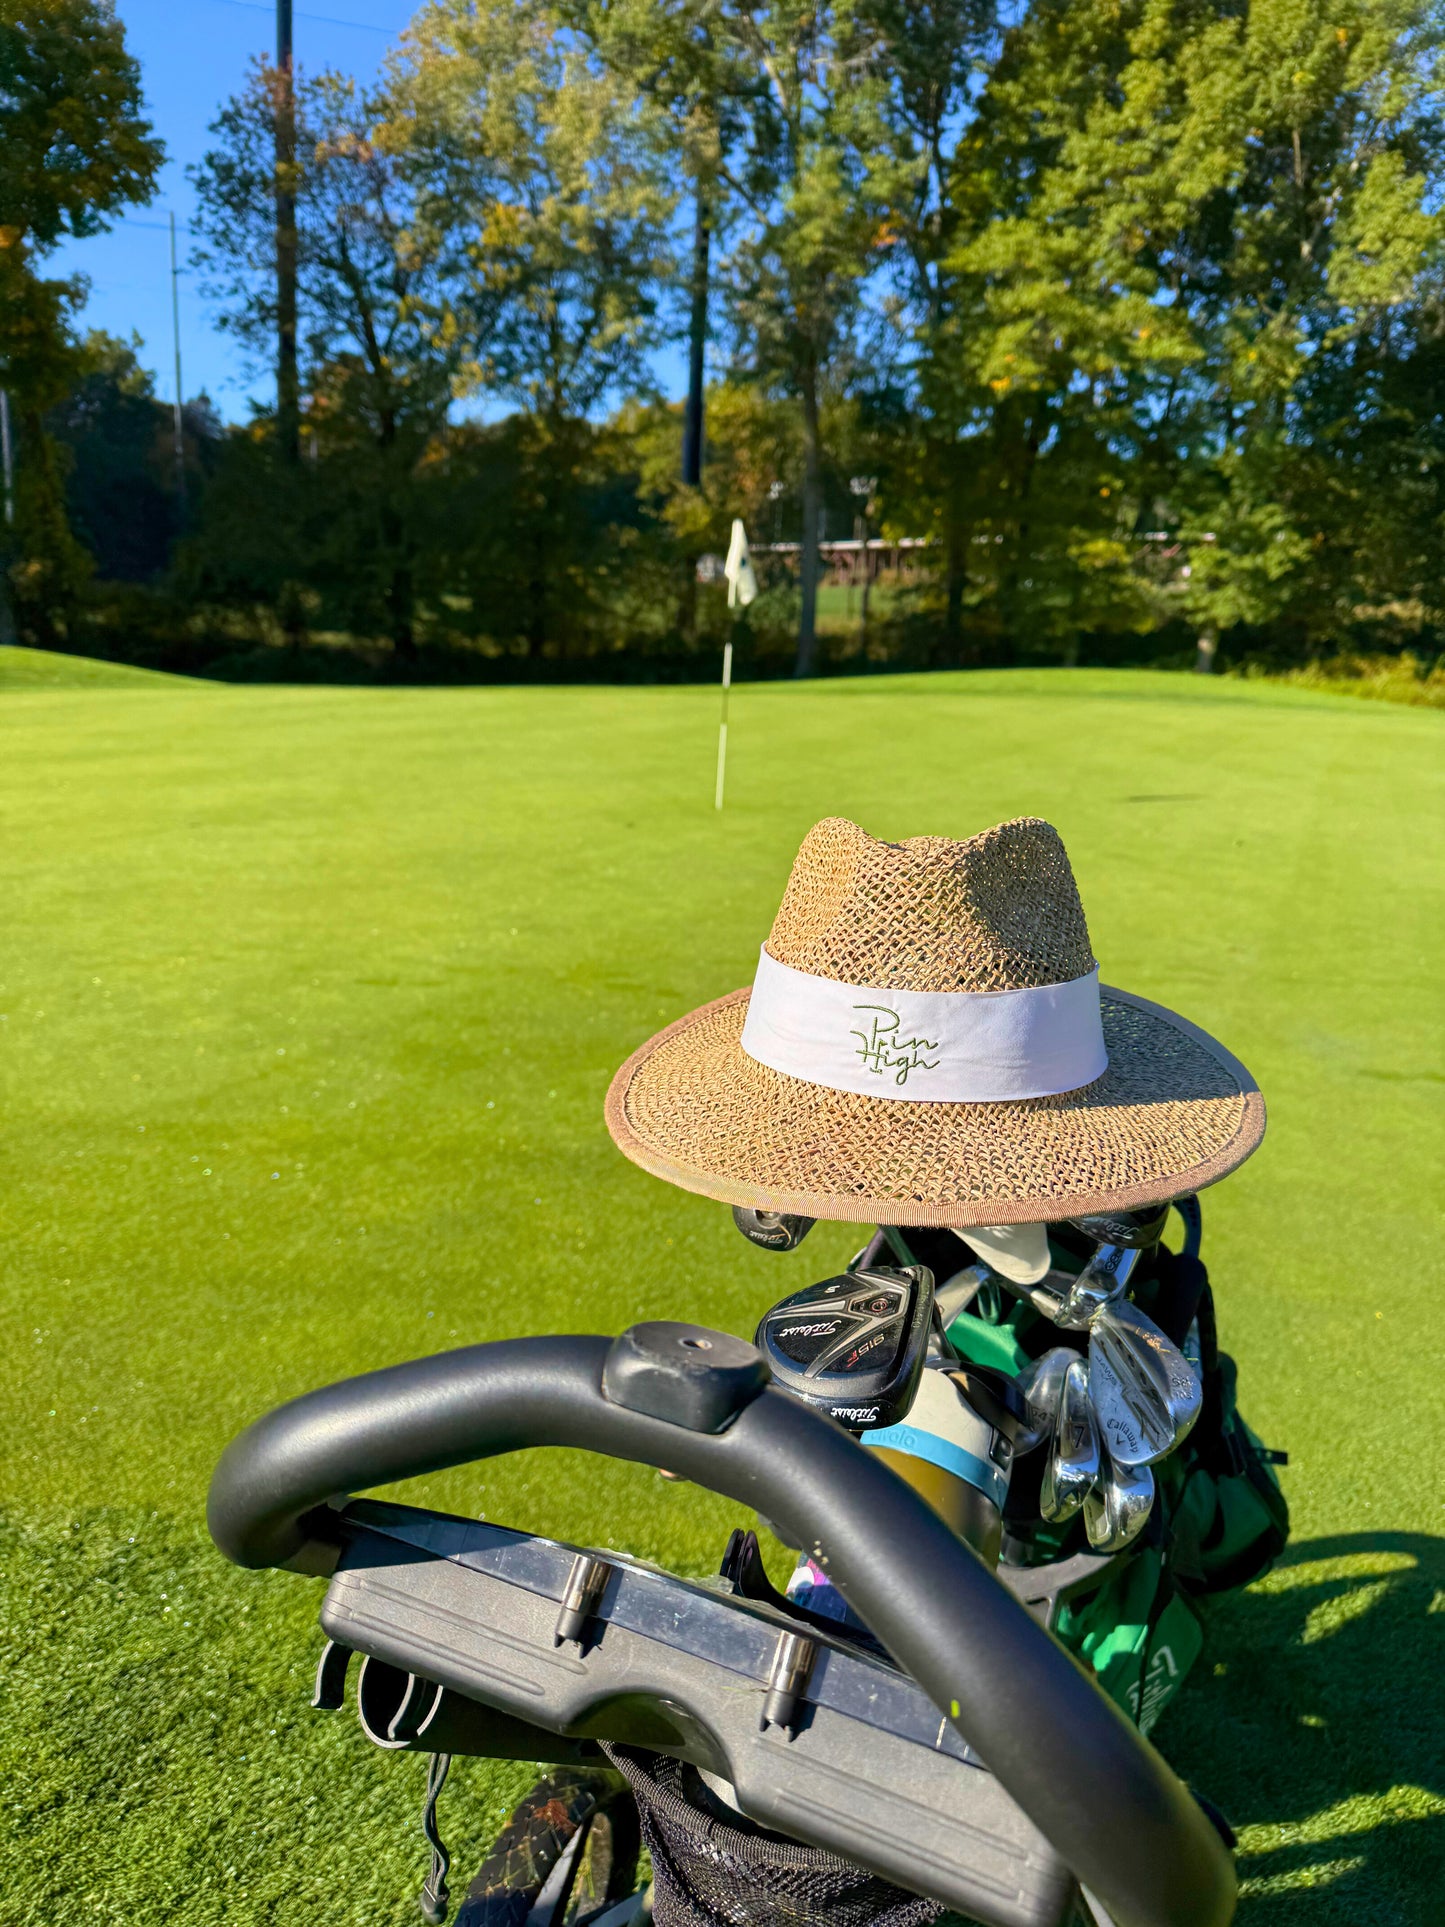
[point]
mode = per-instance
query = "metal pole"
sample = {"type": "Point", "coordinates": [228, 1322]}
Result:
{"type": "Point", "coordinates": [722, 728]}
{"type": "Point", "coordinates": [180, 440]}
{"type": "Point", "coordinates": [288, 405]}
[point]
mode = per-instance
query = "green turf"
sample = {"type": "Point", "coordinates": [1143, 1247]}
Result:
{"type": "Point", "coordinates": [311, 997]}
{"type": "Point", "coordinates": [44, 669]}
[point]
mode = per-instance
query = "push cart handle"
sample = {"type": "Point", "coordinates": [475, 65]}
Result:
{"type": "Point", "coordinates": [1121, 1820]}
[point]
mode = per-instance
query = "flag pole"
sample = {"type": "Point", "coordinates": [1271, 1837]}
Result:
{"type": "Point", "coordinates": [722, 728]}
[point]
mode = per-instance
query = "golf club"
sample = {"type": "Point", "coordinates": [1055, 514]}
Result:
{"type": "Point", "coordinates": [1103, 1281]}
{"type": "Point", "coordinates": [1041, 1384]}
{"type": "Point", "coordinates": [1140, 1230]}
{"type": "Point", "coordinates": [854, 1345]}
{"type": "Point", "coordinates": [773, 1230]}
{"type": "Point", "coordinates": [1118, 1504]}
{"type": "Point", "coordinates": [1073, 1462]}
{"type": "Point", "coordinates": [1129, 1409]}
{"type": "Point", "coordinates": [1139, 1350]}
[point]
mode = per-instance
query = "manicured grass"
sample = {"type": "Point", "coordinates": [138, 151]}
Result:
{"type": "Point", "coordinates": [311, 997]}
{"type": "Point", "coordinates": [44, 669]}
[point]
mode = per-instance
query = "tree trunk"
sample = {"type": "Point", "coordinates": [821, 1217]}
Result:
{"type": "Point", "coordinates": [400, 585]}
{"type": "Point", "coordinates": [806, 660]}
{"type": "Point", "coordinates": [955, 572]}
{"type": "Point", "coordinates": [692, 421]}
{"type": "Point", "coordinates": [400, 599]}
{"type": "Point", "coordinates": [7, 521]}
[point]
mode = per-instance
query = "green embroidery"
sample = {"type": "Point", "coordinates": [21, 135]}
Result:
{"type": "Point", "coordinates": [882, 1049]}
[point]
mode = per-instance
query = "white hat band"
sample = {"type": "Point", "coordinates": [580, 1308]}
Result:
{"type": "Point", "coordinates": [926, 1046]}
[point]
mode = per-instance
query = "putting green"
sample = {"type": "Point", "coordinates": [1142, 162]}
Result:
{"type": "Point", "coordinates": [311, 998]}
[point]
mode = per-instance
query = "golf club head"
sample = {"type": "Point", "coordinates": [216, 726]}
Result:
{"type": "Point", "coordinates": [1118, 1505]}
{"type": "Point", "coordinates": [1042, 1384]}
{"type": "Point", "coordinates": [773, 1230]}
{"type": "Point", "coordinates": [1102, 1282]}
{"type": "Point", "coordinates": [854, 1345]}
{"type": "Point", "coordinates": [1132, 1337]}
{"type": "Point", "coordinates": [1073, 1461]}
{"type": "Point", "coordinates": [1138, 1230]}
{"type": "Point", "coordinates": [1130, 1410]}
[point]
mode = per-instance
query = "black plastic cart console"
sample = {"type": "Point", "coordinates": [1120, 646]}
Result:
{"type": "Point", "coordinates": [972, 1760]}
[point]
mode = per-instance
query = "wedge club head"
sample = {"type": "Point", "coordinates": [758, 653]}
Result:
{"type": "Point", "coordinates": [1073, 1461]}
{"type": "Point", "coordinates": [1136, 1345]}
{"type": "Point", "coordinates": [1131, 1412]}
{"type": "Point", "coordinates": [1042, 1385]}
{"type": "Point", "coordinates": [1118, 1505]}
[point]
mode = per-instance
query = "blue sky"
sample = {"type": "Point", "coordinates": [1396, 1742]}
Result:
{"type": "Point", "coordinates": [193, 54]}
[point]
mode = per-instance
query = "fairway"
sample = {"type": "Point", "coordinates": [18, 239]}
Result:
{"type": "Point", "coordinates": [310, 1000]}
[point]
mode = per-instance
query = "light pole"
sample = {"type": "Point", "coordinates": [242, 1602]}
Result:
{"type": "Point", "coordinates": [177, 423]}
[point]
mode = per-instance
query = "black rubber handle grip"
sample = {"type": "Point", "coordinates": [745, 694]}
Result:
{"type": "Point", "coordinates": [1125, 1825]}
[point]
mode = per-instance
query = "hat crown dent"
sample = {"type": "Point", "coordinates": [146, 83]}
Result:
{"type": "Point", "coordinates": [997, 911]}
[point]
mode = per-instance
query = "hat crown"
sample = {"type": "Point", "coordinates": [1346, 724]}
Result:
{"type": "Point", "coordinates": [998, 911]}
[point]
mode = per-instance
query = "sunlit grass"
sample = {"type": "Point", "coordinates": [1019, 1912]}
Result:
{"type": "Point", "coordinates": [310, 998]}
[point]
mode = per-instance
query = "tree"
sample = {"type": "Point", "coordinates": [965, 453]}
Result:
{"type": "Point", "coordinates": [1198, 217]}
{"type": "Point", "coordinates": [537, 184]}
{"type": "Point", "coordinates": [809, 217]}
{"type": "Point", "coordinates": [381, 346]}
{"type": "Point", "coordinates": [74, 149]}
{"type": "Point", "coordinates": [117, 440]}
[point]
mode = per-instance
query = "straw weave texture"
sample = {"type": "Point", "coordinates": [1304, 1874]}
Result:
{"type": "Point", "coordinates": [1173, 1112]}
{"type": "Point", "coordinates": [999, 912]}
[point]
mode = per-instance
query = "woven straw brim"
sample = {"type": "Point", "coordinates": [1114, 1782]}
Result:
{"type": "Point", "coordinates": [1174, 1112]}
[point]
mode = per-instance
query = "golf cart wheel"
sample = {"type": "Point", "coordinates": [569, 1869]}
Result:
{"type": "Point", "coordinates": [587, 1818]}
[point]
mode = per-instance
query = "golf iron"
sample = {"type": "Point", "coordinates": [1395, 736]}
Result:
{"type": "Point", "coordinates": [1073, 1462]}
{"type": "Point", "coordinates": [1042, 1384]}
{"type": "Point", "coordinates": [1118, 1504]}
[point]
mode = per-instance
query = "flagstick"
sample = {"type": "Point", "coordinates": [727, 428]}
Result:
{"type": "Point", "coordinates": [722, 728]}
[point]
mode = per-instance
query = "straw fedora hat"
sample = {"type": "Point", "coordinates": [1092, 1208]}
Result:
{"type": "Point", "coordinates": [927, 1042]}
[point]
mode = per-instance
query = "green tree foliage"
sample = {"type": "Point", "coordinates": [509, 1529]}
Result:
{"type": "Point", "coordinates": [381, 351]}
{"type": "Point", "coordinates": [1208, 233]}
{"type": "Point", "coordinates": [1133, 311]}
{"type": "Point", "coordinates": [117, 446]}
{"type": "Point", "coordinates": [537, 185]}
{"type": "Point", "coordinates": [74, 149]}
{"type": "Point", "coordinates": [536, 182]}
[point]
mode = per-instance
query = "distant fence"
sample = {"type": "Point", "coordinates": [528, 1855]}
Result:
{"type": "Point", "coordinates": [848, 564]}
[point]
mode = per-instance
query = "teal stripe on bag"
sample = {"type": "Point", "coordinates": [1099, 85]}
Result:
{"type": "Point", "coordinates": [944, 1454]}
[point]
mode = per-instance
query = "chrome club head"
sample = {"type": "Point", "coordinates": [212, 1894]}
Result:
{"type": "Point", "coordinates": [1130, 1410]}
{"type": "Point", "coordinates": [1073, 1461]}
{"type": "Point", "coordinates": [1135, 1341]}
{"type": "Point", "coordinates": [1118, 1505]}
{"type": "Point", "coordinates": [1103, 1281]}
{"type": "Point", "coordinates": [1042, 1385]}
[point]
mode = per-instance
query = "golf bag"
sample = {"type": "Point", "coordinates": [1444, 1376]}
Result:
{"type": "Point", "coordinates": [806, 1757]}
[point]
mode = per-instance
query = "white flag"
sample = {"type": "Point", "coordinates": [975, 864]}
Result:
{"type": "Point", "coordinates": [742, 583]}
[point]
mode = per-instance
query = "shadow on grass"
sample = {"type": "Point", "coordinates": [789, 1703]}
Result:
{"type": "Point", "coordinates": [1320, 1733]}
